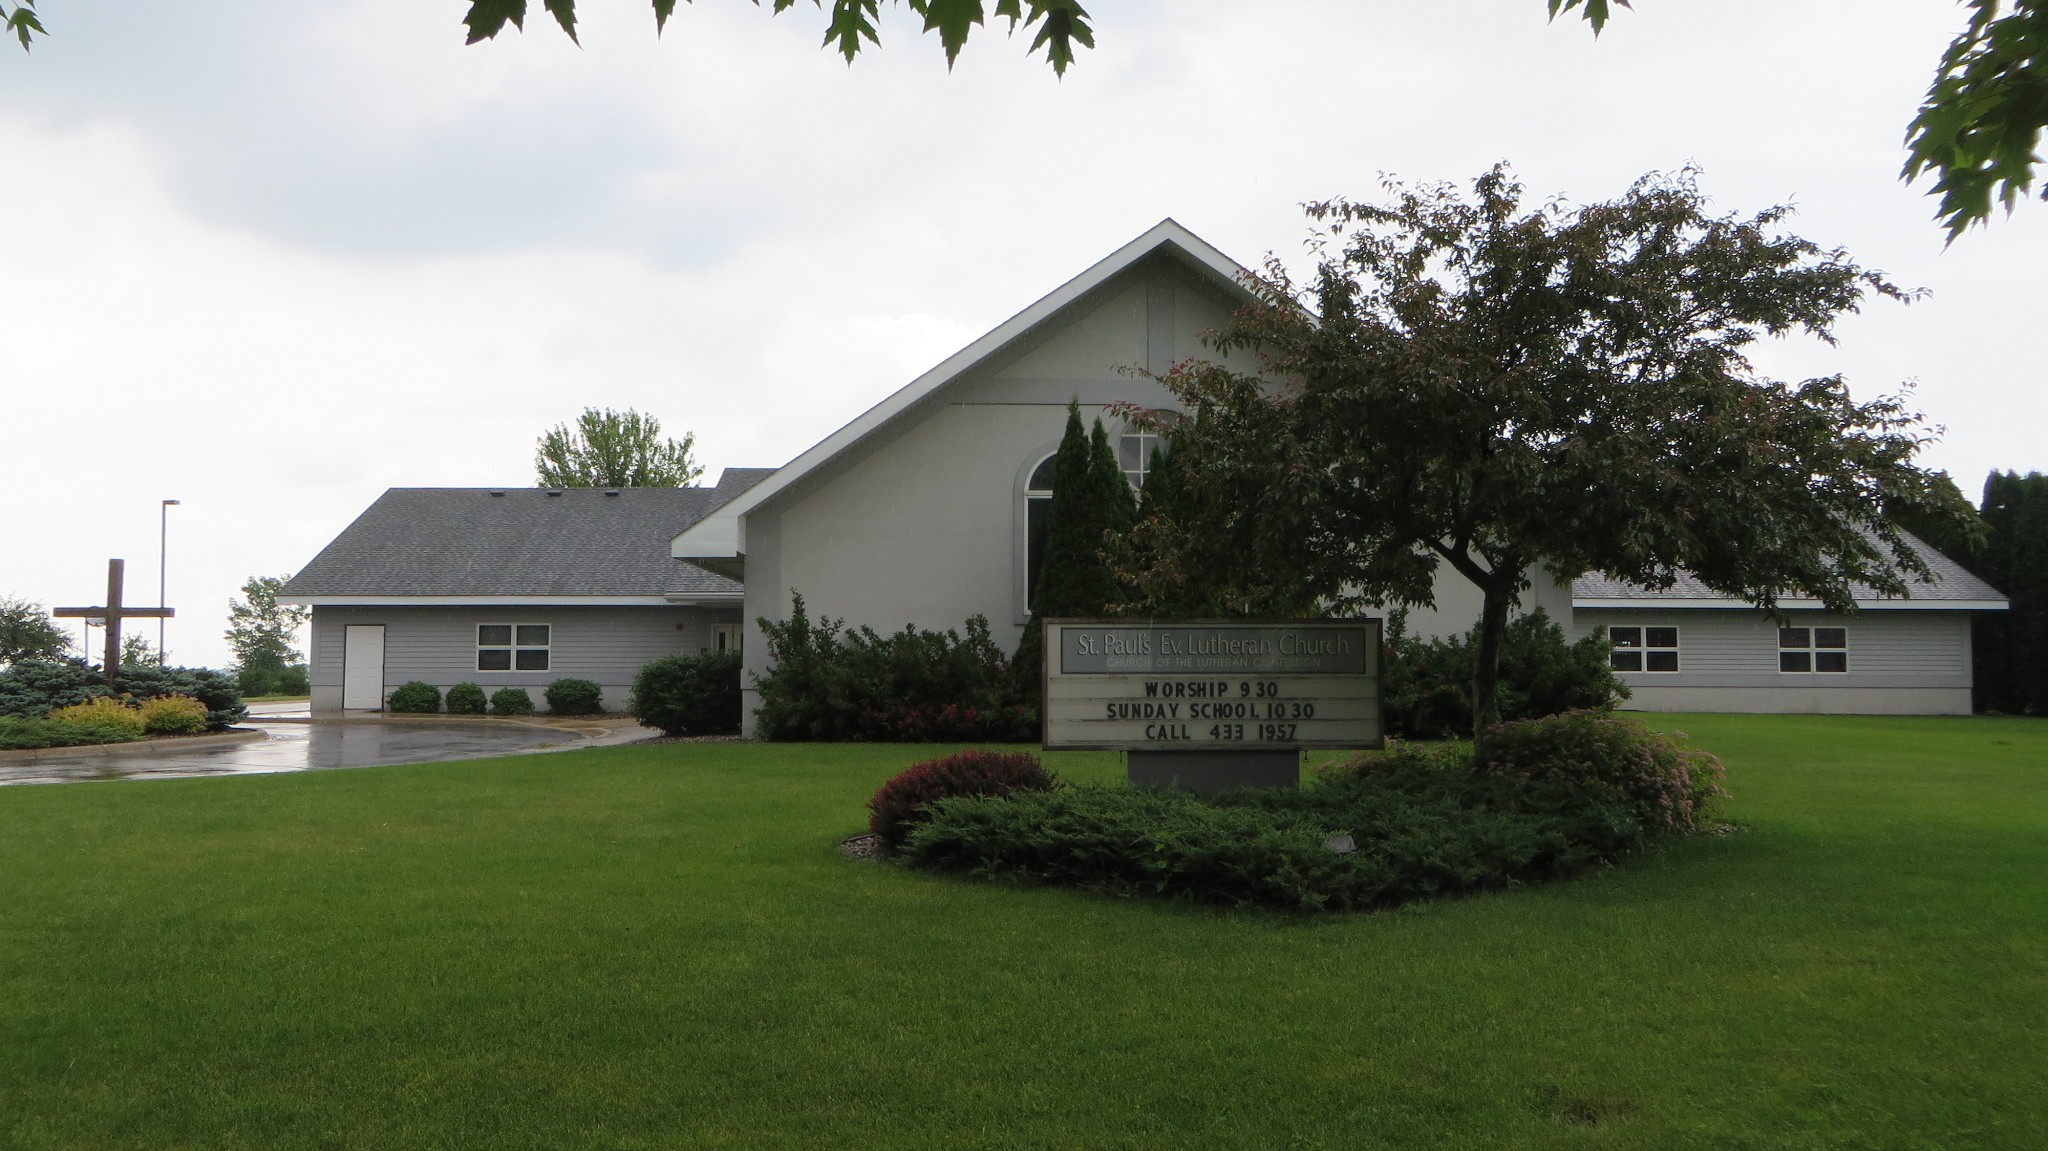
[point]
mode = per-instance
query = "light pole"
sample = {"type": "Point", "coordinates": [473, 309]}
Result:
{"type": "Point", "coordinates": [163, 539]}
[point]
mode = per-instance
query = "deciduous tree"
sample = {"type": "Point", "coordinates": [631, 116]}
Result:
{"type": "Point", "coordinates": [608, 449]}
{"type": "Point", "coordinates": [137, 652]}
{"type": "Point", "coordinates": [261, 630]}
{"type": "Point", "coordinates": [28, 633]}
{"type": "Point", "coordinates": [1470, 383]}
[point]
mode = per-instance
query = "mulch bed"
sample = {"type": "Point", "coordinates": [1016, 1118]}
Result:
{"type": "Point", "coordinates": [866, 846]}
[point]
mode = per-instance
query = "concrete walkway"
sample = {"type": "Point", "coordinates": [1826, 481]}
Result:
{"type": "Point", "coordinates": [295, 744]}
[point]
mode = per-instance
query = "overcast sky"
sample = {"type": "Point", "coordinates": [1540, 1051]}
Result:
{"type": "Point", "coordinates": [270, 259]}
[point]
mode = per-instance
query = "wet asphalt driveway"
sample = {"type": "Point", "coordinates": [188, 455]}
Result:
{"type": "Point", "coordinates": [297, 745]}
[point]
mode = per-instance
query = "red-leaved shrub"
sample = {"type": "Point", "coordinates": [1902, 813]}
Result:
{"type": "Point", "coordinates": [1670, 786]}
{"type": "Point", "coordinates": [900, 804]}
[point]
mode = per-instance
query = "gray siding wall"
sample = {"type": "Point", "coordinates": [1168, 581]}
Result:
{"type": "Point", "coordinates": [438, 645]}
{"type": "Point", "coordinates": [1900, 662]}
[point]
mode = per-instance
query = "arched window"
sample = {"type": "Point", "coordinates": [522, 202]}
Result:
{"type": "Point", "coordinates": [1037, 505]}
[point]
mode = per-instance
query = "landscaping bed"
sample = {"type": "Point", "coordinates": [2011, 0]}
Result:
{"type": "Point", "coordinates": [1540, 800]}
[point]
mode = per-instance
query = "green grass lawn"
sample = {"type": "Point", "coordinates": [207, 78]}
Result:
{"type": "Point", "coordinates": [662, 947]}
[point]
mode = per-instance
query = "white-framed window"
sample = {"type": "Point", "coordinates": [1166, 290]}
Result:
{"type": "Point", "coordinates": [1813, 649]}
{"type": "Point", "coordinates": [512, 646]}
{"type": "Point", "coordinates": [1134, 454]}
{"type": "Point", "coordinates": [1037, 514]}
{"type": "Point", "coordinates": [1637, 648]}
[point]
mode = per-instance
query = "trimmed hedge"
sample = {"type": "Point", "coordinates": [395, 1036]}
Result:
{"type": "Point", "coordinates": [904, 802]}
{"type": "Point", "coordinates": [511, 701]}
{"type": "Point", "coordinates": [575, 697]}
{"type": "Point", "coordinates": [466, 699]}
{"type": "Point", "coordinates": [414, 698]}
{"type": "Point", "coordinates": [831, 684]}
{"type": "Point", "coordinates": [1424, 822]}
{"type": "Point", "coordinates": [689, 694]}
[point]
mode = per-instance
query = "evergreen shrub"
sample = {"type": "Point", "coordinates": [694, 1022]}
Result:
{"type": "Point", "coordinates": [17, 733]}
{"type": "Point", "coordinates": [414, 698]}
{"type": "Point", "coordinates": [1565, 795]}
{"type": "Point", "coordinates": [32, 689]}
{"type": "Point", "coordinates": [214, 689]}
{"type": "Point", "coordinates": [689, 694]}
{"type": "Point", "coordinates": [102, 711]}
{"type": "Point", "coordinates": [172, 715]}
{"type": "Point", "coordinates": [1428, 683]}
{"type": "Point", "coordinates": [511, 701]}
{"type": "Point", "coordinates": [575, 697]}
{"type": "Point", "coordinates": [830, 684]}
{"type": "Point", "coordinates": [904, 802]}
{"type": "Point", "coordinates": [466, 699]}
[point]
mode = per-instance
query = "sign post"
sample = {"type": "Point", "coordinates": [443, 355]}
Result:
{"type": "Point", "coordinates": [1212, 704]}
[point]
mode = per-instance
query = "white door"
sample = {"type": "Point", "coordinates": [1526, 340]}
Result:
{"type": "Point", "coordinates": [725, 637]}
{"type": "Point", "coordinates": [362, 667]}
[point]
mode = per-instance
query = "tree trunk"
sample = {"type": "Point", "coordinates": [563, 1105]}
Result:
{"type": "Point", "coordinates": [1493, 627]}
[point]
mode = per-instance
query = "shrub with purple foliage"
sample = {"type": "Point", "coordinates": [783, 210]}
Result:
{"type": "Point", "coordinates": [901, 803]}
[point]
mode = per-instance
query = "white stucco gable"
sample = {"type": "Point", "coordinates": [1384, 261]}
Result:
{"type": "Point", "coordinates": [719, 542]}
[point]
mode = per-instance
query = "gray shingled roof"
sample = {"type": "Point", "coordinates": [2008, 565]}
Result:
{"type": "Point", "coordinates": [522, 541]}
{"type": "Point", "coordinates": [1951, 583]}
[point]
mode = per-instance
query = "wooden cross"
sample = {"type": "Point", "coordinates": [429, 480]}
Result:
{"type": "Point", "coordinates": [113, 613]}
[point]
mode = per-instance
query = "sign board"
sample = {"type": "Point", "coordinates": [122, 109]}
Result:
{"type": "Point", "coordinates": [1210, 685]}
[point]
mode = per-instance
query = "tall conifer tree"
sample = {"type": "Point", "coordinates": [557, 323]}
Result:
{"type": "Point", "coordinates": [2012, 646]}
{"type": "Point", "coordinates": [1091, 503]}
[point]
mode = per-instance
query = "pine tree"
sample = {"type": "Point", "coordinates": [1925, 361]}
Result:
{"type": "Point", "coordinates": [2011, 665]}
{"type": "Point", "coordinates": [1091, 503]}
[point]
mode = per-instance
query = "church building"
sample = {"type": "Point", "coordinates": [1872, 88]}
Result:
{"type": "Point", "coordinates": [929, 508]}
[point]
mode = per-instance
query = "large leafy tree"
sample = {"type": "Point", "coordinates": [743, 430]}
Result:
{"type": "Point", "coordinates": [1470, 383]}
{"type": "Point", "coordinates": [1983, 115]}
{"type": "Point", "coordinates": [28, 633]}
{"type": "Point", "coordinates": [608, 449]}
{"type": "Point", "coordinates": [261, 630]}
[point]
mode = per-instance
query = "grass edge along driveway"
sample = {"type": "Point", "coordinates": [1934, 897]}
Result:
{"type": "Point", "coordinates": [661, 947]}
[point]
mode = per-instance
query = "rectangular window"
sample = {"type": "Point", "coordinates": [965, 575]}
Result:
{"type": "Point", "coordinates": [512, 647]}
{"type": "Point", "coordinates": [1813, 649]}
{"type": "Point", "coordinates": [1134, 455]}
{"type": "Point", "coordinates": [1644, 648]}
